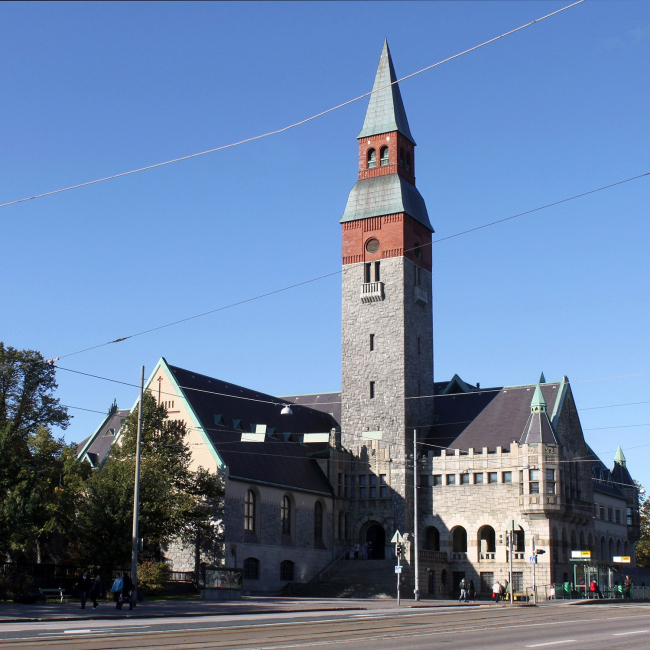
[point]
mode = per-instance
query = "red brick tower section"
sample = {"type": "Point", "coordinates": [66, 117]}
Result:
{"type": "Point", "coordinates": [398, 234]}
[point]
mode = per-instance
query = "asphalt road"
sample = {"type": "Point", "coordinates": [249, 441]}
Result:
{"type": "Point", "coordinates": [571, 626]}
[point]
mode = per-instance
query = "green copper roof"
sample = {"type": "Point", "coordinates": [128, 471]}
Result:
{"type": "Point", "coordinates": [620, 457]}
{"type": "Point", "coordinates": [538, 403]}
{"type": "Point", "coordinates": [542, 379]}
{"type": "Point", "coordinates": [388, 194]}
{"type": "Point", "coordinates": [385, 109]}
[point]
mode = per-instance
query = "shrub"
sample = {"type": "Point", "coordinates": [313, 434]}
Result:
{"type": "Point", "coordinates": [152, 576]}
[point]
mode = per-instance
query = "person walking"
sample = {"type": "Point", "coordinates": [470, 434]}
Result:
{"type": "Point", "coordinates": [506, 591]}
{"type": "Point", "coordinates": [116, 589]}
{"type": "Point", "coordinates": [628, 586]}
{"type": "Point", "coordinates": [127, 589]}
{"type": "Point", "coordinates": [496, 591]}
{"type": "Point", "coordinates": [85, 586]}
{"type": "Point", "coordinates": [471, 591]}
{"type": "Point", "coordinates": [96, 591]}
{"type": "Point", "coordinates": [463, 590]}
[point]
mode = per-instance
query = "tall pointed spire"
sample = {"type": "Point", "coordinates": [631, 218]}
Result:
{"type": "Point", "coordinates": [538, 403]}
{"type": "Point", "coordinates": [385, 109]}
{"type": "Point", "coordinates": [620, 457]}
{"type": "Point", "coordinates": [542, 379]}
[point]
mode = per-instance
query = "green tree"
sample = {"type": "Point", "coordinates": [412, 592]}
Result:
{"type": "Point", "coordinates": [27, 407]}
{"type": "Point", "coordinates": [643, 545]}
{"type": "Point", "coordinates": [176, 502]}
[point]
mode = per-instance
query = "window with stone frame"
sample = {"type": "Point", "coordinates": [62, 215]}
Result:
{"type": "Point", "coordinates": [610, 514]}
{"type": "Point", "coordinates": [493, 477]}
{"type": "Point", "coordinates": [362, 487]}
{"type": "Point", "coordinates": [618, 516]}
{"type": "Point", "coordinates": [478, 478]}
{"type": "Point", "coordinates": [550, 481]}
{"type": "Point", "coordinates": [373, 486]}
{"type": "Point", "coordinates": [601, 510]}
{"type": "Point", "coordinates": [372, 158]}
{"type": "Point", "coordinates": [533, 484]}
{"type": "Point", "coordinates": [285, 515]}
{"type": "Point", "coordinates": [251, 568]}
{"type": "Point", "coordinates": [437, 479]}
{"type": "Point", "coordinates": [250, 504]}
{"type": "Point", "coordinates": [451, 479]}
{"type": "Point", "coordinates": [384, 160]}
{"type": "Point", "coordinates": [464, 479]}
{"type": "Point", "coordinates": [383, 486]}
{"type": "Point", "coordinates": [507, 477]}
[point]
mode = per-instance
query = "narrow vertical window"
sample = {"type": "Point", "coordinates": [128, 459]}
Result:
{"type": "Point", "coordinates": [384, 156]}
{"type": "Point", "coordinates": [372, 390]}
{"type": "Point", "coordinates": [408, 162]}
{"type": "Point", "coordinates": [372, 159]}
{"type": "Point", "coordinates": [249, 511]}
{"type": "Point", "coordinates": [372, 342]}
{"type": "Point", "coordinates": [367, 270]}
{"type": "Point", "coordinates": [401, 157]}
{"type": "Point", "coordinates": [285, 515]}
{"type": "Point", "coordinates": [377, 272]}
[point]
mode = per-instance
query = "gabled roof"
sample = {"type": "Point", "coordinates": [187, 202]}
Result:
{"type": "Point", "coordinates": [272, 462]}
{"type": "Point", "coordinates": [95, 447]}
{"type": "Point", "coordinates": [385, 109]}
{"type": "Point", "coordinates": [387, 194]}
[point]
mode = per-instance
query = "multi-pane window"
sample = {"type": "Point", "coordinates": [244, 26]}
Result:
{"type": "Point", "coordinates": [373, 486]}
{"type": "Point", "coordinates": [285, 515]}
{"type": "Point", "coordinates": [602, 512]}
{"type": "Point", "coordinates": [251, 568]}
{"type": "Point", "coordinates": [533, 486]}
{"type": "Point", "coordinates": [464, 479]}
{"type": "Point", "coordinates": [628, 516]}
{"type": "Point", "coordinates": [286, 570]}
{"type": "Point", "coordinates": [372, 159]}
{"type": "Point", "coordinates": [550, 481]}
{"type": "Point", "coordinates": [249, 511]}
{"type": "Point", "coordinates": [451, 479]}
{"type": "Point", "coordinates": [478, 478]}
{"type": "Point", "coordinates": [507, 477]}
{"type": "Point", "coordinates": [493, 477]}
{"type": "Point", "coordinates": [362, 487]}
{"type": "Point", "coordinates": [437, 479]}
{"type": "Point", "coordinates": [618, 516]}
{"type": "Point", "coordinates": [610, 514]}
{"type": "Point", "coordinates": [383, 487]}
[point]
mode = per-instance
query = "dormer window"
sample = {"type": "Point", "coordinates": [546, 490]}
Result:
{"type": "Point", "coordinates": [372, 158]}
{"type": "Point", "coordinates": [408, 162]}
{"type": "Point", "coordinates": [384, 156]}
{"type": "Point", "coordinates": [401, 157]}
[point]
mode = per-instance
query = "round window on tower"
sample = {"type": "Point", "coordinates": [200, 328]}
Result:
{"type": "Point", "coordinates": [372, 245]}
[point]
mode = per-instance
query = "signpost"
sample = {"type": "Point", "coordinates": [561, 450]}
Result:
{"type": "Point", "coordinates": [622, 559]}
{"type": "Point", "coordinates": [513, 526]}
{"type": "Point", "coordinates": [398, 541]}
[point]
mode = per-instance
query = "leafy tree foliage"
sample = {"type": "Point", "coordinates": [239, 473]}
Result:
{"type": "Point", "coordinates": [643, 545]}
{"type": "Point", "coordinates": [28, 408]}
{"type": "Point", "coordinates": [176, 502]}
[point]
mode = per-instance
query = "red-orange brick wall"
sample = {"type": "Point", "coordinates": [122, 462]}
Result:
{"type": "Point", "coordinates": [394, 141]}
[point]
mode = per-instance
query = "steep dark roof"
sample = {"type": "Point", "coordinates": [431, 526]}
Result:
{"type": "Point", "coordinates": [603, 477]}
{"type": "Point", "coordinates": [99, 443]}
{"type": "Point", "coordinates": [325, 402]}
{"type": "Point", "coordinates": [487, 418]}
{"type": "Point", "coordinates": [274, 461]}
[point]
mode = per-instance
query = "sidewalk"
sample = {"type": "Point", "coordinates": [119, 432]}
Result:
{"type": "Point", "coordinates": [13, 613]}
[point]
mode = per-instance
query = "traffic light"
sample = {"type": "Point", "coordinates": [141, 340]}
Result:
{"type": "Point", "coordinates": [398, 549]}
{"type": "Point", "coordinates": [500, 539]}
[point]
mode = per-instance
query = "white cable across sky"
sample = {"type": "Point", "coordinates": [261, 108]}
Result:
{"type": "Point", "coordinates": [290, 126]}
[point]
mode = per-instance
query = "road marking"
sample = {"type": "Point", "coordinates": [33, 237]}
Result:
{"type": "Point", "coordinates": [539, 645]}
{"type": "Point", "coordinates": [76, 631]}
{"type": "Point", "coordinates": [625, 633]}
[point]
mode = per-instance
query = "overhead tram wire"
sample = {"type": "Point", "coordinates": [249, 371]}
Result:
{"type": "Point", "coordinates": [341, 271]}
{"type": "Point", "coordinates": [295, 124]}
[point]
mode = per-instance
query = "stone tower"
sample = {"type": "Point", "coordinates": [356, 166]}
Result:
{"type": "Point", "coordinates": [387, 342]}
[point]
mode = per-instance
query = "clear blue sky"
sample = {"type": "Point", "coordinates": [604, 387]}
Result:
{"type": "Point", "coordinates": [93, 89]}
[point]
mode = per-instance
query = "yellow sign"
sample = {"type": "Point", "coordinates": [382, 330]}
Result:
{"type": "Point", "coordinates": [624, 559]}
{"type": "Point", "coordinates": [581, 555]}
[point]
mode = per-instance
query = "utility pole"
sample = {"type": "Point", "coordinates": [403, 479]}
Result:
{"type": "Point", "coordinates": [534, 572]}
{"type": "Point", "coordinates": [511, 534]}
{"type": "Point", "coordinates": [136, 497]}
{"type": "Point", "coordinates": [416, 591]}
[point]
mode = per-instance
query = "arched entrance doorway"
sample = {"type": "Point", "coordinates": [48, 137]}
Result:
{"type": "Point", "coordinates": [376, 539]}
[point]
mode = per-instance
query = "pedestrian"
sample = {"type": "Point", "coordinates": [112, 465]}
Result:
{"type": "Point", "coordinates": [463, 590]}
{"type": "Point", "coordinates": [595, 590]}
{"type": "Point", "coordinates": [471, 591]}
{"type": "Point", "coordinates": [628, 586]}
{"type": "Point", "coordinates": [357, 548]}
{"type": "Point", "coordinates": [496, 591]}
{"type": "Point", "coordinates": [506, 591]}
{"type": "Point", "coordinates": [96, 591]}
{"type": "Point", "coordinates": [116, 589]}
{"type": "Point", "coordinates": [84, 586]}
{"type": "Point", "coordinates": [369, 551]}
{"type": "Point", "coordinates": [127, 590]}
{"type": "Point", "coordinates": [364, 550]}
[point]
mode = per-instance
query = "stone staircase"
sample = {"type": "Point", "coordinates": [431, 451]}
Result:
{"type": "Point", "coordinates": [355, 579]}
